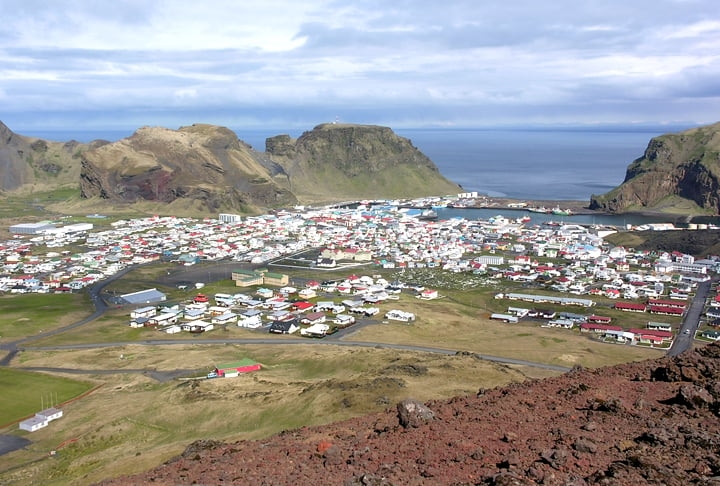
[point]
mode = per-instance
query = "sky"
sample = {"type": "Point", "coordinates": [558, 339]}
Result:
{"type": "Point", "coordinates": [86, 64]}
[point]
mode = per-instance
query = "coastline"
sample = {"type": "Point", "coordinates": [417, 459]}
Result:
{"type": "Point", "coordinates": [579, 208]}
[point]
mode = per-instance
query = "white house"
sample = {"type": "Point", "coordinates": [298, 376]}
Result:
{"type": "Point", "coordinates": [398, 315]}
{"type": "Point", "coordinates": [50, 414]}
{"type": "Point", "coordinates": [316, 330]}
{"type": "Point", "coordinates": [226, 318]}
{"type": "Point", "coordinates": [143, 312]}
{"type": "Point", "coordinates": [250, 322]}
{"type": "Point", "coordinates": [41, 419]}
{"type": "Point", "coordinates": [34, 423]}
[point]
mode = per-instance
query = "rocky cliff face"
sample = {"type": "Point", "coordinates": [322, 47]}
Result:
{"type": "Point", "coordinates": [653, 422]}
{"type": "Point", "coordinates": [684, 166]}
{"type": "Point", "coordinates": [356, 161]}
{"type": "Point", "coordinates": [26, 162]}
{"type": "Point", "coordinates": [210, 164]}
{"type": "Point", "coordinates": [201, 162]}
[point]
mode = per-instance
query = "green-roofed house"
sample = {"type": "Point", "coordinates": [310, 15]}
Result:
{"type": "Point", "coordinates": [246, 278]}
{"type": "Point", "coordinates": [714, 335]}
{"type": "Point", "coordinates": [275, 279]}
{"type": "Point", "coordinates": [229, 370]}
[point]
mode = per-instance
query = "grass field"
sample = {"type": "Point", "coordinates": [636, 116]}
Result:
{"type": "Point", "coordinates": [24, 393]}
{"type": "Point", "coordinates": [31, 314]}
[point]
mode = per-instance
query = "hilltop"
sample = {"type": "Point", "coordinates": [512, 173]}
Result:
{"type": "Point", "coordinates": [357, 161]}
{"type": "Point", "coordinates": [30, 164]}
{"type": "Point", "coordinates": [205, 164]}
{"type": "Point", "coordinates": [678, 173]}
{"type": "Point", "coordinates": [651, 422]}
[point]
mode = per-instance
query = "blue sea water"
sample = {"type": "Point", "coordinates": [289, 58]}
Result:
{"type": "Point", "coordinates": [533, 164]}
{"type": "Point", "coordinates": [551, 164]}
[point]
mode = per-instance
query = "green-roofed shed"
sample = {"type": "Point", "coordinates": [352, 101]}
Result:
{"type": "Point", "coordinates": [232, 369]}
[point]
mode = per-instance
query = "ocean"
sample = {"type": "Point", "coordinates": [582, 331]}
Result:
{"type": "Point", "coordinates": [552, 164]}
{"type": "Point", "coordinates": [532, 164]}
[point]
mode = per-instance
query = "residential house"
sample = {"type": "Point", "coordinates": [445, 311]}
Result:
{"type": "Point", "coordinates": [316, 330]}
{"type": "Point", "coordinates": [307, 293]}
{"type": "Point", "coordinates": [148, 311]}
{"type": "Point", "coordinates": [313, 318]}
{"type": "Point", "coordinates": [224, 319]}
{"type": "Point", "coordinates": [630, 307]}
{"type": "Point", "coordinates": [251, 319]}
{"type": "Point", "coordinates": [284, 327]}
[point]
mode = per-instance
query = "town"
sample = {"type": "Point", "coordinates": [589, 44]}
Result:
{"type": "Point", "coordinates": [556, 264]}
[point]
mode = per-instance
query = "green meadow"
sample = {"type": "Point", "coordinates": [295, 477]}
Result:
{"type": "Point", "coordinates": [25, 393]}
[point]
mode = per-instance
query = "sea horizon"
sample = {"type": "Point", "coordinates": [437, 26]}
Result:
{"type": "Point", "coordinates": [532, 163]}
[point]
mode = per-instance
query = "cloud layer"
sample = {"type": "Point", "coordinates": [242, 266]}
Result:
{"type": "Point", "coordinates": [405, 63]}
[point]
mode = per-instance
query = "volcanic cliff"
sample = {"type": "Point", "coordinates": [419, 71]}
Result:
{"type": "Point", "coordinates": [28, 163]}
{"type": "Point", "coordinates": [675, 168]}
{"type": "Point", "coordinates": [201, 162]}
{"type": "Point", "coordinates": [356, 161]}
{"type": "Point", "coordinates": [653, 422]}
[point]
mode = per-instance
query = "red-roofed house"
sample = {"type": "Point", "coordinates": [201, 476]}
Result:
{"type": "Point", "coordinates": [630, 307]}
{"type": "Point", "coordinates": [598, 328]}
{"type": "Point", "coordinates": [651, 336]}
{"type": "Point", "coordinates": [668, 303]}
{"type": "Point", "coordinates": [302, 306]}
{"type": "Point", "coordinates": [665, 309]}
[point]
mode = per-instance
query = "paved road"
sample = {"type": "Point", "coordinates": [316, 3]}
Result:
{"type": "Point", "coordinates": [684, 340]}
{"type": "Point", "coordinates": [284, 342]}
{"type": "Point", "coordinates": [161, 376]}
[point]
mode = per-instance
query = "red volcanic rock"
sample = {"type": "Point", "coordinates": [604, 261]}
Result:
{"type": "Point", "coordinates": [653, 422]}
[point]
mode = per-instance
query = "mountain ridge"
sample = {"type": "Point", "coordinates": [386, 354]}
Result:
{"type": "Point", "coordinates": [210, 168]}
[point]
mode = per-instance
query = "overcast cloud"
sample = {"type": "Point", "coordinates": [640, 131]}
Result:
{"type": "Point", "coordinates": [407, 63]}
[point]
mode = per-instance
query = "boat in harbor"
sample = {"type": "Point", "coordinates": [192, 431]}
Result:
{"type": "Point", "coordinates": [557, 210]}
{"type": "Point", "coordinates": [429, 215]}
{"type": "Point", "coordinates": [540, 209]}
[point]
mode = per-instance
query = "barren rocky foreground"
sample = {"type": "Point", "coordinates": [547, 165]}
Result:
{"type": "Point", "coordinates": [652, 422]}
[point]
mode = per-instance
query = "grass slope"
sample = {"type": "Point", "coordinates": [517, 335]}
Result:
{"type": "Point", "coordinates": [697, 243]}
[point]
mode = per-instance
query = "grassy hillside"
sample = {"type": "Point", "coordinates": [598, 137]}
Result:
{"type": "Point", "coordinates": [697, 243]}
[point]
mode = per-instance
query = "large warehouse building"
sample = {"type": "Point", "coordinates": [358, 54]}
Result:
{"type": "Point", "coordinates": [31, 228]}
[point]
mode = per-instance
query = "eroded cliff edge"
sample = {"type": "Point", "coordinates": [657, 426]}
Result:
{"type": "Point", "coordinates": [676, 171]}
